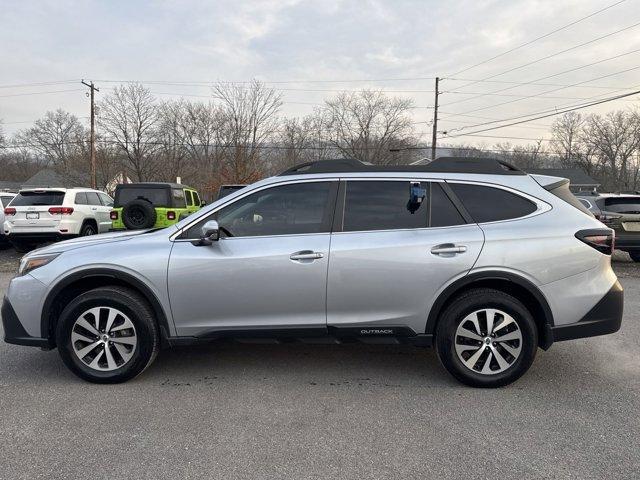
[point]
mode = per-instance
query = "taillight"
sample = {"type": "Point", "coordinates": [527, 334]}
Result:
{"type": "Point", "coordinates": [61, 210]}
{"type": "Point", "coordinates": [171, 215]}
{"type": "Point", "coordinates": [9, 211]}
{"type": "Point", "coordinates": [113, 215]}
{"type": "Point", "coordinates": [600, 239]}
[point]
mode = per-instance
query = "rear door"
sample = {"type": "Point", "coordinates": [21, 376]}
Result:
{"type": "Point", "coordinates": [387, 263]}
{"type": "Point", "coordinates": [99, 211]}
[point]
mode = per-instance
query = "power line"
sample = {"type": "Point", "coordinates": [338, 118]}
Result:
{"type": "Point", "coordinates": [545, 77]}
{"type": "Point", "coordinates": [550, 114]}
{"type": "Point", "coordinates": [546, 57]}
{"type": "Point", "coordinates": [40, 93]}
{"type": "Point", "coordinates": [564, 27]}
{"type": "Point", "coordinates": [551, 91]}
{"type": "Point", "coordinates": [37, 84]}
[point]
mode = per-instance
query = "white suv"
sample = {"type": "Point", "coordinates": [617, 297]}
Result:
{"type": "Point", "coordinates": [38, 215]}
{"type": "Point", "coordinates": [5, 198]}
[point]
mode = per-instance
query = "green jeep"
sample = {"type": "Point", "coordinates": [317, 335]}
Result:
{"type": "Point", "coordinates": [152, 205]}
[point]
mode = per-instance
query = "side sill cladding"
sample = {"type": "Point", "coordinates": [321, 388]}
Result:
{"type": "Point", "coordinates": [96, 277]}
{"type": "Point", "coordinates": [497, 279]}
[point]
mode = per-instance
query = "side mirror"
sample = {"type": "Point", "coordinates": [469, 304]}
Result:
{"type": "Point", "coordinates": [203, 203]}
{"type": "Point", "coordinates": [210, 233]}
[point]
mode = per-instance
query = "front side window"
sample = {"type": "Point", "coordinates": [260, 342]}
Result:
{"type": "Point", "coordinates": [489, 204]}
{"type": "Point", "coordinates": [189, 198]}
{"type": "Point", "coordinates": [196, 199]}
{"type": "Point", "coordinates": [284, 210]}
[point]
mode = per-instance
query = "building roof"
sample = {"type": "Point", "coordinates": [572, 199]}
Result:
{"type": "Point", "coordinates": [50, 178]}
{"type": "Point", "coordinates": [576, 176]}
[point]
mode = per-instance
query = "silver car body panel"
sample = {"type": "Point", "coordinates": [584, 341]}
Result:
{"type": "Point", "coordinates": [374, 277]}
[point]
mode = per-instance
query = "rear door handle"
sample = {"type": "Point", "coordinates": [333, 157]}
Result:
{"type": "Point", "coordinates": [305, 255]}
{"type": "Point", "coordinates": [448, 249]}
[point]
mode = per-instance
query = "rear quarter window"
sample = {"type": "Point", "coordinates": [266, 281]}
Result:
{"type": "Point", "coordinates": [490, 204]}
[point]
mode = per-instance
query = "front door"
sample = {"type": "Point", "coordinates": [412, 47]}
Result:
{"type": "Point", "coordinates": [390, 258]}
{"type": "Point", "coordinates": [267, 271]}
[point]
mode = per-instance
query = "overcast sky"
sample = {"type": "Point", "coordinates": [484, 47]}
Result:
{"type": "Point", "coordinates": [198, 41]}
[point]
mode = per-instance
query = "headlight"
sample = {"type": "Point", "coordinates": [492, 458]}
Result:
{"type": "Point", "coordinates": [28, 264]}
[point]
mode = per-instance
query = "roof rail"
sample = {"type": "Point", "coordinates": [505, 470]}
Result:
{"type": "Point", "coordinates": [443, 165]}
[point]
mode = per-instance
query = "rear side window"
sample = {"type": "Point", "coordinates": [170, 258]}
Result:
{"type": "Point", "coordinates": [178, 198]}
{"type": "Point", "coordinates": [630, 205]}
{"type": "Point", "coordinates": [489, 204]}
{"type": "Point", "coordinates": [81, 199]}
{"type": "Point", "coordinates": [382, 205]}
{"type": "Point", "coordinates": [196, 199]}
{"type": "Point", "coordinates": [31, 199]}
{"type": "Point", "coordinates": [189, 197]}
{"type": "Point", "coordinates": [93, 198]}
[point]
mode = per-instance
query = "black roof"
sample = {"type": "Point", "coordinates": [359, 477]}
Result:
{"type": "Point", "coordinates": [152, 185]}
{"type": "Point", "coordinates": [576, 176]}
{"type": "Point", "coordinates": [443, 164]}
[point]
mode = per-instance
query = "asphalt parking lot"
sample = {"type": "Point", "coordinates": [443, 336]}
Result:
{"type": "Point", "coordinates": [346, 411]}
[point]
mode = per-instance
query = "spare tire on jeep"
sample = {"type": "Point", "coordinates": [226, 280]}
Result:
{"type": "Point", "coordinates": [139, 214]}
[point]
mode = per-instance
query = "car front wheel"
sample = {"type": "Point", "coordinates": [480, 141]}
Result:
{"type": "Point", "coordinates": [486, 338]}
{"type": "Point", "coordinates": [107, 335]}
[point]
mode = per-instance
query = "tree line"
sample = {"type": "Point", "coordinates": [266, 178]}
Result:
{"type": "Point", "coordinates": [240, 136]}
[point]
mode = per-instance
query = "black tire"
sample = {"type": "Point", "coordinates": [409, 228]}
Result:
{"type": "Point", "coordinates": [139, 214]}
{"type": "Point", "coordinates": [88, 229]}
{"type": "Point", "coordinates": [468, 303]}
{"type": "Point", "coordinates": [22, 247]}
{"type": "Point", "coordinates": [139, 313]}
{"type": "Point", "coordinates": [635, 256]}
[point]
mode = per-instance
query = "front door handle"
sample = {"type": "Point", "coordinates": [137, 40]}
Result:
{"type": "Point", "coordinates": [448, 249]}
{"type": "Point", "coordinates": [305, 255]}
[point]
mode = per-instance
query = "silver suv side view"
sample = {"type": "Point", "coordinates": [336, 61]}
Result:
{"type": "Point", "coordinates": [471, 256]}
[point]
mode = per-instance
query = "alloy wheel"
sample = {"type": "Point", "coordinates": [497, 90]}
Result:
{"type": "Point", "coordinates": [488, 341]}
{"type": "Point", "coordinates": [104, 338]}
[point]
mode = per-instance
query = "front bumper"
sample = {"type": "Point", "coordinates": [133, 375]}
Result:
{"type": "Point", "coordinates": [14, 332]}
{"type": "Point", "coordinates": [604, 318]}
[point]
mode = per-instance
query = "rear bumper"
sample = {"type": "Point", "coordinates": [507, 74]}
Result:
{"type": "Point", "coordinates": [14, 332]}
{"type": "Point", "coordinates": [39, 237]}
{"type": "Point", "coordinates": [604, 318]}
{"type": "Point", "coordinates": [628, 242]}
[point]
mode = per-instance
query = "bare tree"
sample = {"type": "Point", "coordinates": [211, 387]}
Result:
{"type": "Point", "coordinates": [57, 138]}
{"type": "Point", "coordinates": [128, 117]}
{"type": "Point", "coordinates": [366, 125]}
{"type": "Point", "coordinates": [249, 120]}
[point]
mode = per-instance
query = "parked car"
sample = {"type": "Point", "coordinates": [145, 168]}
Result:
{"type": "Point", "coordinates": [228, 189]}
{"type": "Point", "coordinates": [5, 198]}
{"type": "Point", "coordinates": [152, 205]}
{"type": "Point", "coordinates": [620, 212]}
{"type": "Point", "coordinates": [472, 256]}
{"type": "Point", "coordinates": [38, 215]}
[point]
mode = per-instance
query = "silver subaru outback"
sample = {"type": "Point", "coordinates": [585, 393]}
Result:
{"type": "Point", "coordinates": [471, 256]}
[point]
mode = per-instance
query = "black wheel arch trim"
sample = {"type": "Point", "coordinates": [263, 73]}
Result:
{"type": "Point", "coordinates": [468, 281]}
{"type": "Point", "coordinates": [123, 277]}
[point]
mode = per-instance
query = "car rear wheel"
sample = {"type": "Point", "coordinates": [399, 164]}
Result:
{"type": "Point", "coordinates": [107, 335]}
{"type": "Point", "coordinates": [635, 256]}
{"type": "Point", "coordinates": [87, 229]}
{"type": "Point", "coordinates": [486, 338]}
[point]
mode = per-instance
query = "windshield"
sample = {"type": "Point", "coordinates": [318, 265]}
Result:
{"type": "Point", "coordinates": [30, 199]}
{"type": "Point", "coordinates": [159, 197]}
{"type": "Point", "coordinates": [622, 205]}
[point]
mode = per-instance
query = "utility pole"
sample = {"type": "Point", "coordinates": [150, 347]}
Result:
{"type": "Point", "coordinates": [92, 89]}
{"type": "Point", "coordinates": [434, 138]}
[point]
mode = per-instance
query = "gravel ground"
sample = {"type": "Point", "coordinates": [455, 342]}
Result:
{"type": "Point", "coordinates": [295, 411]}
